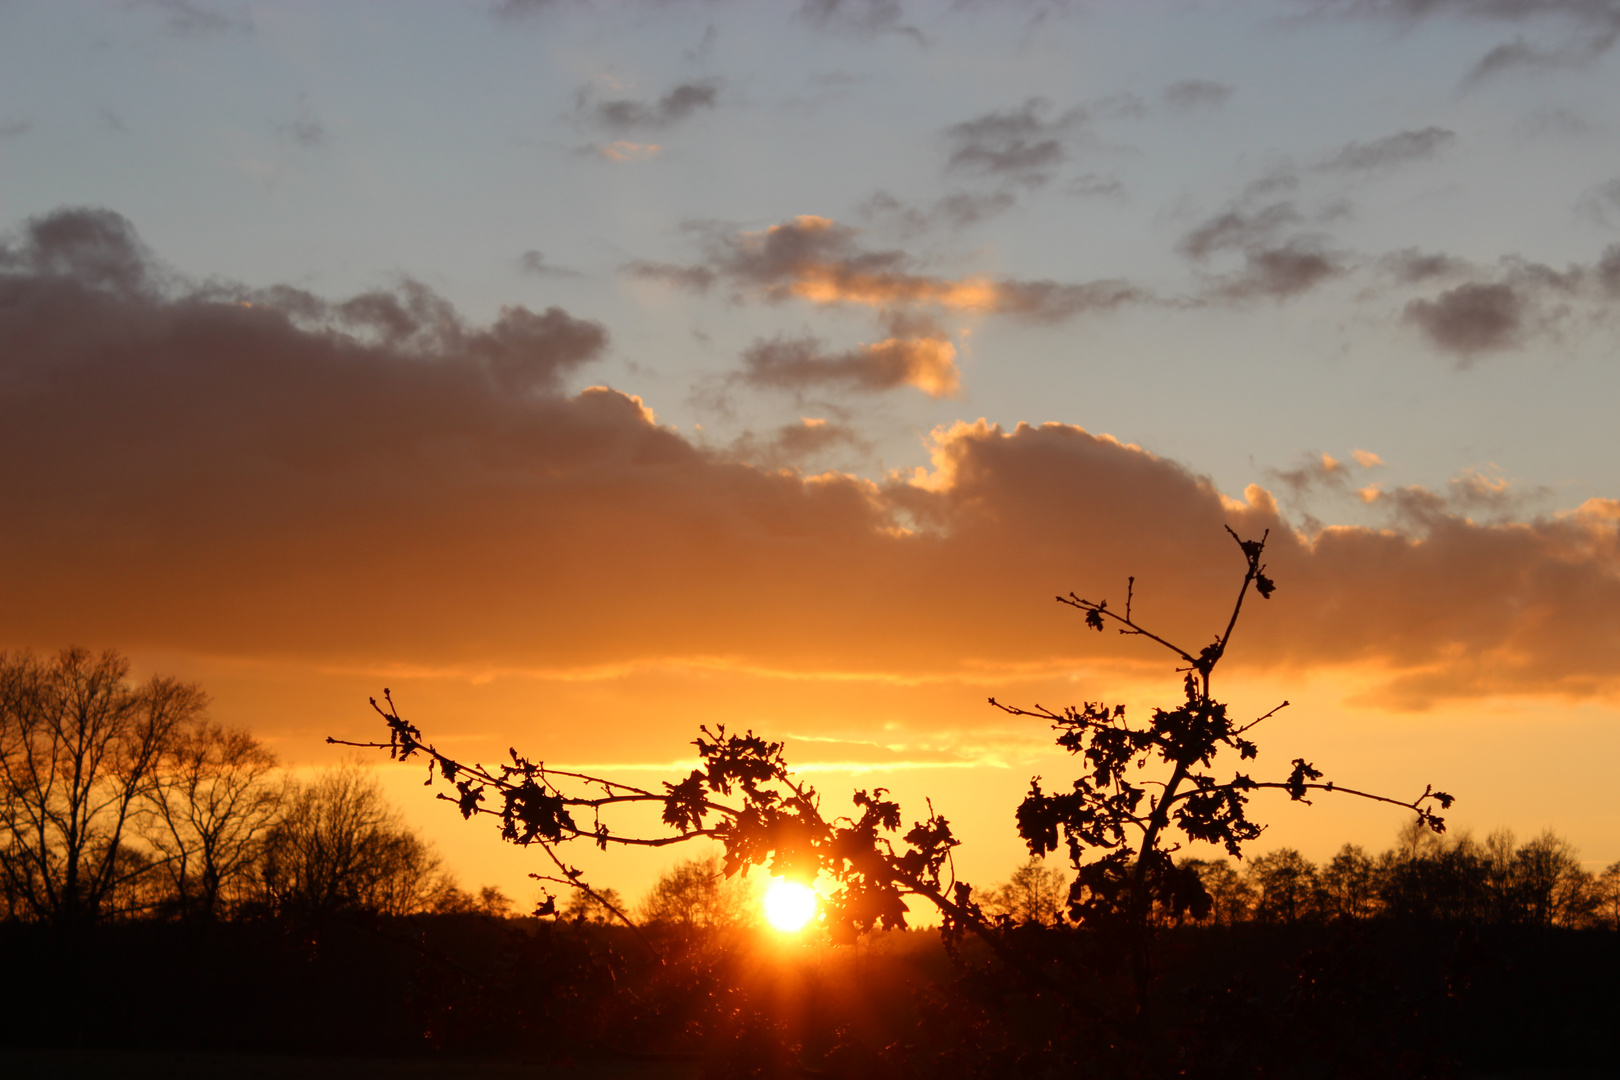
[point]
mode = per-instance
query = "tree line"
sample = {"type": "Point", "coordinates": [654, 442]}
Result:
{"type": "Point", "coordinates": [1424, 877]}
{"type": "Point", "coordinates": [121, 801]}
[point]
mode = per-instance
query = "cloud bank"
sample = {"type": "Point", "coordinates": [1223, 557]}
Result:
{"type": "Point", "coordinates": [270, 473]}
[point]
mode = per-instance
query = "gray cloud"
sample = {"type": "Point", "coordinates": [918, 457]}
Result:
{"type": "Point", "coordinates": [88, 257]}
{"type": "Point", "coordinates": [1237, 229]}
{"type": "Point", "coordinates": [1521, 54]}
{"type": "Point", "coordinates": [1601, 204]}
{"type": "Point", "coordinates": [1092, 186]}
{"type": "Point", "coordinates": [1608, 271]}
{"type": "Point", "coordinates": [96, 249]}
{"type": "Point", "coordinates": [534, 263]}
{"type": "Point", "coordinates": [1409, 265]}
{"type": "Point", "coordinates": [1471, 318]}
{"type": "Point", "coordinates": [1590, 28]}
{"type": "Point", "coordinates": [627, 114]}
{"type": "Point", "coordinates": [1275, 266]}
{"type": "Point", "coordinates": [304, 129]}
{"type": "Point", "coordinates": [861, 17]}
{"type": "Point", "coordinates": [10, 128]}
{"type": "Point", "coordinates": [1397, 149]}
{"type": "Point", "coordinates": [1280, 272]}
{"type": "Point", "coordinates": [957, 210]}
{"type": "Point", "coordinates": [692, 278]}
{"type": "Point", "coordinates": [1023, 144]}
{"type": "Point", "coordinates": [188, 19]}
{"type": "Point", "coordinates": [1190, 94]}
{"type": "Point", "coordinates": [1506, 307]}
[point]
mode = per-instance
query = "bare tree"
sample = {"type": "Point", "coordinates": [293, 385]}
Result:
{"type": "Point", "coordinates": [340, 847]}
{"type": "Point", "coordinates": [1607, 909]}
{"type": "Point", "coordinates": [214, 799]}
{"type": "Point", "coordinates": [79, 747]}
{"type": "Point", "coordinates": [1554, 890]}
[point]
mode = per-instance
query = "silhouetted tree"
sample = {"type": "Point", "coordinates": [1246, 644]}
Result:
{"type": "Point", "coordinates": [597, 907]}
{"type": "Point", "coordinates": [1349, 884]}
{"type": "Point", "coordinates": [1120, 826]}
{"type": "Point", "coordinates": [1034, 894]}
{"type": "Point", "coordinates": [1607, 909]}
{"type": "Point", "coordinates": [697, 895]}
{"type": "Point", "coordinates": [1230, 894]}
{"type": "Point", "coordinates": [79, 750]}
{"type": "Point", "coordinates": [1118, 834]}
{"type": "Point", "coordinates": [214, 799]}
{"type": "Point", "coordinates": [1285, 887]}
{"type": "Point", "coordinates": [1554, 889]}
{"type": "Point", "coordinates": [340, 847]}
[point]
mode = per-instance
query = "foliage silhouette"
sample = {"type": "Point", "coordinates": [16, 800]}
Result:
{"type": "Point", "coordinates": [1120, 835]}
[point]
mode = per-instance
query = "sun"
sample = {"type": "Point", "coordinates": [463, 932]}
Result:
{"type": "Point", "coordinates": [789, 905]}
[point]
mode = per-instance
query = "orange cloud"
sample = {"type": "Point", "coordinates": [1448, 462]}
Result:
{"type": "Point", "coordinates": [623, 150]}
{"type": "Point", "coordinates": [814, 258]}
{"type": "Point", "coordinates": [927, 363]}
{"type": "Point", "coordinates": [382, 484]}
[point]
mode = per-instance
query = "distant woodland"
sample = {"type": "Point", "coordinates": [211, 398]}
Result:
{"type": "Point", "coordinates": [167, 885]}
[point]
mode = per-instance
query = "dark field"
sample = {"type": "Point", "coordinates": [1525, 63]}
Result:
{"type": "Point", "coordinates": [138, 1065]}
{"type": "Point", "coordinates": [463, 996]}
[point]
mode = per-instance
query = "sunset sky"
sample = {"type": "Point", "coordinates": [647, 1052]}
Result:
{"type": "Point", "coordinates": [587, 370]}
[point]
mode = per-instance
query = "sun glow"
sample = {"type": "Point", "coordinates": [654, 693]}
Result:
{"type": "Point", "coordinates": [789, 905]}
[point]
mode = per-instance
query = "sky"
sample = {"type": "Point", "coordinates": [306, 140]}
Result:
{"type": "Point", "coordinates": [585, 371]}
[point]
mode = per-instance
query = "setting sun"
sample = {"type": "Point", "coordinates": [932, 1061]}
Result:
{"type": "Point", "coordinates": [789, 905]}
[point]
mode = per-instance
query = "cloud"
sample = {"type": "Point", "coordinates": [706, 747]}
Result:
{"type": "Point", "coordinates": [1471, 318]}
{"type": "Point", "coordinates": [1190, 94]}
{"type": "Point", "coordinates": [692, 278]}
{"type": "Point", "coordinates": [1601, 204]}
{"type": "Point", "coordinates": [1238, 229]}
{"type": "Point", "coordinates": [1581, 52]}
{"type": "Point", "coordinates": [816, 259]}
{"type": "Point", "coordinates": [305, 129]}
{"type": "Point", "coordinates": [1409, 265]}
{"type": "Point", "coordinates": [187, 19]}
{"type": "Point", "coordinates": [1092, 186]}
{"type": "Point", "coordinates": [1389, 151]}
{"type": "Point", "coordinates": [1273, 266]}
{"type": "Point", "coordinates": [1280, 272]}
{"type": "Point", "coordinates": [860, 17]}
{"type": "Point", "coordinates": [374, 481]}
{"type": "Point", "coordinates": [1023, 145]}
{"type": "Point", "coordinates": [627, 114]}
{"type": "Point", "coordinates": [927, 363]}
{"type": "Point", "coordinates": [791, 445]}
{"type": "Point", "coordinates": [1608, 271]}
{"type": "Point", "coordinates": [534, 263]}
{"type": "Point", "coordinates": [622, 150]}
{"type": "Point", "coordinates": [12, 128]}
{"type": "Point", "coordinates": [1505, 307]}
{"type": "Point", "coordinates": [1590, 27]}
{"type": "Point", "coordinates": [957, 210]}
